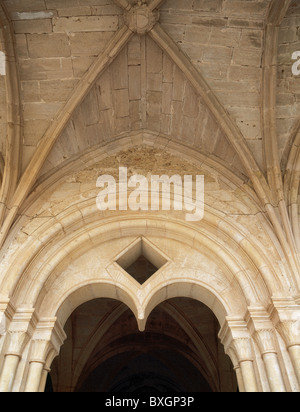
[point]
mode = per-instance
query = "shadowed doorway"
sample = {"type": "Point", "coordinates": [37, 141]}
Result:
{"type": "Point", "coordinates": [178, 352]}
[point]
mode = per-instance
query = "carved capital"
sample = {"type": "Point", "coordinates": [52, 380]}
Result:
{"type": "Point", "coordinates": [266, 341]}
{"type": "Point", "coordinates": [285, 315]}
{"type": "Point", "coordinates": [20, 330]}
{"type": "Point", "coordinates": [48, 337]}
{"type": "Point", "coordinates": [236, 339]}
{"type": "Point", "coordinates": [243, 349]}
{"type": "Point", "coordinates": [7, 311]}
{"type": "Point", "coordinates": [290, 331]}
{"type": "Point", "coordinates": [262, 329]}
{"type": "Point", "coordinates": [39, 351]}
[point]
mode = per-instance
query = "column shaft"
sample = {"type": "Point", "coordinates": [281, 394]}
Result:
{"type": "Point", "coordinates": [10, 366]}
{"type": "Point", "coordinates": [248, 374]}
{"type": "Point", "coordinates": [274, 372]}
{"type": "Point", "coordinates": [294, 352]}
{"type": "Point", "coordinates": [34, 377]}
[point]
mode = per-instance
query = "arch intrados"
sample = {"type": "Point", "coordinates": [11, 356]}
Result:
{"type": "Point", "coordinates": [191, 289]}
{"type": "Point", "coordinates": [91, 289]}
{"type": "Point", "coordinates": [176, 288]}
{"type": "Point", "coordinates": [89, 158]}
{"type": "Point", "coordinates": [110, 149]}
{"type": "Point", "coordinates": [86, 292]}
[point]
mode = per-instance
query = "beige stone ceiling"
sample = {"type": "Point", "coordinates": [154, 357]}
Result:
{"type": "Point", "coordinates": [57, 41]}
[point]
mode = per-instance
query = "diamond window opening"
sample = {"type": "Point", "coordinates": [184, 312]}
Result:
{"type": "Point", "coordinates": [141, 260]}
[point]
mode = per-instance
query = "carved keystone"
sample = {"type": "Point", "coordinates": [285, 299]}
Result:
{"type": "Point", "coordinates": [140, 19]}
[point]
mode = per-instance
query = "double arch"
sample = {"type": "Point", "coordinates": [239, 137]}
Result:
{"type": "Point", "coordinates": [222, 264]}
{"type": "Point", "coordinates": [97, 282]}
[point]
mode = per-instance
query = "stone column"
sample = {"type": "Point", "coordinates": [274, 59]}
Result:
{"type": "Point", "coordinates": [19, 333]}
{"type": "Point", "coordinates": [266, 344]}
{"type": "Point", "coordinates": [3, 327]}
{"type": "Point", "coordinates": [44, 377]}
{"type": "Point", "coordinates": [237, 368]}
{"type": "Point", "coordinates": [285, 315]}
{"type": "Point", "coordinates": [47, 368]}
{"type": "Point", "coordinates": [34, 376]}
{"type": "Point", "coordinates": [243, 349]}
{"type": "Point", "coordinates": [294, 351]}
{"type": "Point", "coordinates": [6, 314]}
{"type": "Point", "coordinates": [236, 338]}
{"type": "Point", "coordinates": [9, 369]}
{"type": "Point", "coordinates": [47, 340]}
{"type": "Point", "coordinates": [264, 333]}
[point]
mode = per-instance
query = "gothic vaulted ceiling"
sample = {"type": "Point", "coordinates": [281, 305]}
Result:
{"type": "Point", "coordinates": [212, 75]}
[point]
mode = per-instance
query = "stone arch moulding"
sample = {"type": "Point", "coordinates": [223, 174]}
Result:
{"type": "Point", "coordinates": [65, 281]}
{"type": "Point", "coordinates": [61, 227]}
{"type": "Point", "coordinates": [117, 235]}
{"type": "Point", "coordinates": [58, 299]}
{"type": "Point", "coordinates": [69, 229]}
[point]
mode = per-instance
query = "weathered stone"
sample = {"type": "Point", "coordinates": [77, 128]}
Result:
{"type": "Point", "coordinates": [57, 91]}
{"type": "Point", "coordinates": [33, 26]}
{"type": "Point", "coordinates": [85, 24]}
{"type": "Point", "coordinates": [48, 45]}
{"type": "Point", "coordinates": [96, 41]}
{"type": "Point", "coordinates": [46, 69]}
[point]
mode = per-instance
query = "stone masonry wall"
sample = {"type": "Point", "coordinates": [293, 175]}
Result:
{"type": "Point", "coordinates": [143, 90]}
{"type": "Point", "coordinates": [288, 95]}
{"type": "Point", "coordinates": [56, 41]}
{"type": "Point", "coordinates": [224, 39]}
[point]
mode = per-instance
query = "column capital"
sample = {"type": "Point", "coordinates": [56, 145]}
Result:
{"type": "Point", "coordinates": [20, 330]}
{"type": "Point", "coordinates": [285, 316]}
{"type": "Point", "coordinates": [48, 336]}
{"type": "Point", "coordinates": [262, 329]}
{"type": "Point", "coordinates": [235, 337]}
{"type": "Point", "coordinates": [7, 311]}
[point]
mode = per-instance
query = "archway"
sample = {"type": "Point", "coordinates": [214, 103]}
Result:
{"type": "Point", "coordinates": [79, 254]}
{"type": "Point", "coordinates": [85, 265]}
{"type": "Point", "coordinates": [105, 351]}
